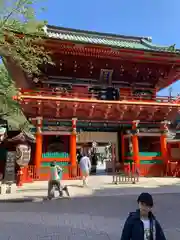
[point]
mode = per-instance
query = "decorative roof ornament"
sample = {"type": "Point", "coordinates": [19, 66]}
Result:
{"type": "Point", "coordinates": [171, 134]}
{"type": "Point", "coordinates": [172, 48]}
{"type": "Point", "coordinates": [149, 39]}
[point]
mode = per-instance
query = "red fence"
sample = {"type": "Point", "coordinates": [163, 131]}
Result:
{"type": "Point", "coordinates": [30, 174]}
{"type": "Point", "coordinates": [145, 170]}
{"type": "Point", "coordinates": [173, 169]}
{"type": "Point", "coordinates": [152, 170]}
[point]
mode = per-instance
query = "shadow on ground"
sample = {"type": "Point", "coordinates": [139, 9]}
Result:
{"type": "Point", "coordinates": [23, 199]}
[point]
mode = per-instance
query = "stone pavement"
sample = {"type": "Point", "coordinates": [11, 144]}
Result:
{"type": "Point", "coordinates": [82, 218]}
{"type": "Point", "coordinates": [100, 186]}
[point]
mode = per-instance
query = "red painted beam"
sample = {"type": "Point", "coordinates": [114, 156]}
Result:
{"type": "Point", "coordinates": [101, 51]}
{"type": "Point", "coordinates": [95, 101]}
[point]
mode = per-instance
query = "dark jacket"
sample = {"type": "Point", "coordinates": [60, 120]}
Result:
{"type": "Point", "coordinates": [134, 228]}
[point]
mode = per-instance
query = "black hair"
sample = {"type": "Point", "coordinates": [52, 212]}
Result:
{"type": "Point", "coordinates": [53, 164]}
{"type": "Point", "coordinates": [146, 198]}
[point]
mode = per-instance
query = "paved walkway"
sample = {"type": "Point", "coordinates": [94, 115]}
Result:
{"type": "Point", "coordinates": [83, 218]}
{"type": "Point", "coordinates": [97, 212]}
{"type": "Point", "coordinates": [100, 186]}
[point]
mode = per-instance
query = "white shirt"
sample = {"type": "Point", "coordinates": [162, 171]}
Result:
{"type": "Point", "coordinates": [146, 224]}
{"type": "Point", "coordinates": [85, 163]}
{"type": "Point", "coordinates": [54, 172]}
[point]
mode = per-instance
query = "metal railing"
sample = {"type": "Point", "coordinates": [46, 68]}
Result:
{"type": "Point", "coordinates": [91, 95]}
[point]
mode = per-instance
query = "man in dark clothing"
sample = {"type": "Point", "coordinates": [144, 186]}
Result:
{"type": "Point", "coordinates": [142, 224]}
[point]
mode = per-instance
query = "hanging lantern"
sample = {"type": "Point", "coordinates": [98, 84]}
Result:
{"type": "Point", "coordinates": [23, 154]}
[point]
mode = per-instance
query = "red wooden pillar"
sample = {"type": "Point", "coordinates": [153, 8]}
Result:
{"type": "Point", "coordinates": [39, 142]}
{"type": "Point", "coordinates": [163, 142]}
{"type": "Point", "coordinates": [73, 148]}
{"type": "Point", "coordinates": [135, 143]}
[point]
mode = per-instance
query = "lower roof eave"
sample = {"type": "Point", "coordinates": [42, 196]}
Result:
{"type": "Point", "coordinates": [121, 102]}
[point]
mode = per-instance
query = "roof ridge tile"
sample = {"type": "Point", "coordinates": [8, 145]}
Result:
{"type": "Point", "coordinates": [110, 40]}
{"type": "Point", "coordinates": [92, 33]}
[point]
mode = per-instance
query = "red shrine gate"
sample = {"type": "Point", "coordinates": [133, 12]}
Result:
{"type": "Point", "coordinates": [102, 80]}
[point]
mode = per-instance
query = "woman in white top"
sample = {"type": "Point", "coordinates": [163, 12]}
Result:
{"type": "Point", "coordinates": [85, 166]}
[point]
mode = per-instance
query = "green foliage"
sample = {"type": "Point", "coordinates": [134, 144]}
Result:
{"type": "Point", "coordinates": [7, 90]}
{"type": "Point", "coordinates": [18, 16]}
{"type": "Point", "coordinates": [10, 109]}
{"type": "Point", "coordinates": [20, 40]}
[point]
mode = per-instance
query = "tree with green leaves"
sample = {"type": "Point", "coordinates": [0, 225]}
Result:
{"type": "Point", "coordinates": [10, 109]}
{"type": "Point", "coordinates": [21, 36]}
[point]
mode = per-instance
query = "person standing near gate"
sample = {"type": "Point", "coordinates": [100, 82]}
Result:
{"type": "Point", "coordinates": [55, 178]}
{"type": "Point", "coordinates": [142, 224]}
{"type": "Point", "coordinates": [85, 166]}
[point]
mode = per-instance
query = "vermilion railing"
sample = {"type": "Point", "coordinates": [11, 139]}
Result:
{"type": "Point", "coordinates": [173, 169]}
{"type": "Point", "coordinates": [30, 174]}
{"type": "Point", "coordinates": [89, 95]}
{"type": "Point", "coordinates": [152, 170]}
{"type": "Point", "coordinates": [145, 170]}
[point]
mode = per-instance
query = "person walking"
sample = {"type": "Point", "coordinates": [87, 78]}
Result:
{"type": "Point", "coordinates": [55, 179]}
{"type": "Point", "coordinates": [142, 224]}
{"type": "Point", "coordinates": [55, 172]}
{"type": "Point", "coordinates": [85, 166]}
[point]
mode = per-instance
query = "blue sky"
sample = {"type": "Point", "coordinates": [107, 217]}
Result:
{"type": "Point", "coordinates": [159, 19]}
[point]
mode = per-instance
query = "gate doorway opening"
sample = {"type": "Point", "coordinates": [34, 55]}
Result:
{"type": "Point", "coordinates": [100, 156]}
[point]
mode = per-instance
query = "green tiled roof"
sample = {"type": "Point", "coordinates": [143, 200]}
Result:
{"type": "Point", "coordinates": [109, 40]}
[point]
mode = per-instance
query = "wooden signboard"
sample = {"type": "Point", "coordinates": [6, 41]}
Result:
{"type": "Point", "coordinates": [9, 173]}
